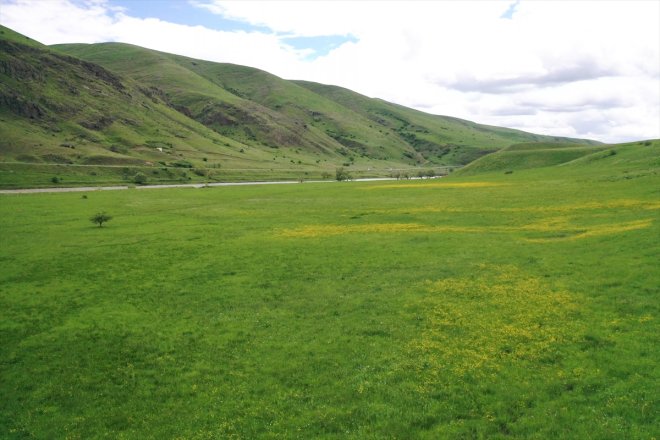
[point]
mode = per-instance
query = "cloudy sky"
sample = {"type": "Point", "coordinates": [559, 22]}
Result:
{"type": "Point", "coordinates": [583, 69]}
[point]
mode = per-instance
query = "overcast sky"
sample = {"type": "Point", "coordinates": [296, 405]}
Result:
{"type": "Point", "coordinates": [582, 69]}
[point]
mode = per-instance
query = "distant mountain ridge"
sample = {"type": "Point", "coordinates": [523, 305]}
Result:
{"type": "Point", "coordinates": [115, 104]}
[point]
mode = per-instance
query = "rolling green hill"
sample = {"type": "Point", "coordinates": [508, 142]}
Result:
{"type": "Point", "coordinates": [102, 113]}
{"type": "Point", "coordinates": [58, 111]}
{"type": "Point", "coordinates": [542, 154]}
{"type": "Point", "coordinates": [332, 118]}
{"type": "Point", "coordinates": [253, 106]}
{"type": "Point", "coordinates": [436, 138]}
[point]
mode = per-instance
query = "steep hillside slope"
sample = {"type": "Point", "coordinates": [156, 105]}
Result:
{"type": "Point", "coordinates": [59, 109]}
{"type": "Point", "coordinates": [68, 121]}
{"type": "Point", "coordinates": [247, 104]}
{"type": "Point", "coordinates": [440, 139]}
{"type": "Point", "coordinates": [122, 110]}
{"type": "Point", "coordinates": [255, 106]}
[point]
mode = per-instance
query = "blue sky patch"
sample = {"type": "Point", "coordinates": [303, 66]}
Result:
{"type": "Point", "coordinates": [321, 45]}
{"type": "Point", "coordinates": [182, 12]}
{"type": "Point", "coordinates": [185, 13]}
{"type": "Point", "coordinates": [508, 14]}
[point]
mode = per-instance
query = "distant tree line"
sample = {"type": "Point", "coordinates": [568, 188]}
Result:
{"type": "Point", "coordinates": [422, 174]}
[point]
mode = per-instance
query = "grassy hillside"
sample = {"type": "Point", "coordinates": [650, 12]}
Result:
{"type": "Point", "coordinates": [71, 122]}
{"type": "Point", "coordinates": [245, 103]}
{"type": "Point", "coordinates": [332, 119]}
{"type": "Point", "coordinates": [173, 119]}
{"type": "Point", "coordinates": [60, 114]}
{"type": "Point", "coordinates": [438, 139]}
{"type": "Point", "coordinates": [7, 34]}
{"type": "Point", "coordinates": [537, 155]}
{"type": "Point", "coordinates": [516, 305]}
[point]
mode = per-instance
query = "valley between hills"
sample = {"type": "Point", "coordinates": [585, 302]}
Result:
{"type": "Point", "coordinates": [113, 113]}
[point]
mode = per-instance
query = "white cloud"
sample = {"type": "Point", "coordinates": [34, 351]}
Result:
{"type": "Point", "coordinates": [586, 69]}
{"type": "Point", "coordinates": [58, 20]}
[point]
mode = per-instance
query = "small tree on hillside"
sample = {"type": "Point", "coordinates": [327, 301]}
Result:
{"type": "Point", "coordinates": [100, 218]}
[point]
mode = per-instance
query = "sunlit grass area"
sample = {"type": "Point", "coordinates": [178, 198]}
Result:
{"type": "Point", "coordinates": [519, 305]}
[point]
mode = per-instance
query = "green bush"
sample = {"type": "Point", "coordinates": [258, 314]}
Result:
{"type": "Point", "coordinates": [140, 179]}
{"type": "Point", "coordinates": [99, 218]}
{"type": "Point", "coordinates": [341, 174]}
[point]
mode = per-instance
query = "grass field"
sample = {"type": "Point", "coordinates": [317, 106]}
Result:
{"type": "Point", "coordinates": [519, 305]}
{"type": "Point", "coordinates": [533, 155]}
{"type": "Point", "coordinates": [22, 175]}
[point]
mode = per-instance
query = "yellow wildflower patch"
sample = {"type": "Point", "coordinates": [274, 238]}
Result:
{"type": "Point", "coordinates": [560, 227]}
{"type": "Point", "coordinates": [438, 185]}
{"type": "Point", "coordinates": [327, 230]}
{"type": "Point", "coordinates": [595, 231]}
{"type": "Point", "coordinates": [612, 204]}
{"type": "Point", "coordinates": [478, 325]}
{"type": "Point", "coordinates": [617, 228]}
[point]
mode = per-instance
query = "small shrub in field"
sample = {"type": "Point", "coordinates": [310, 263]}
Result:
{"type": "Point", "coordinates": [182, 164]}
{"type": "Point", "coordinates": [99, 218]}
{"type": "Point", "coordinates": [140, 179]}
{"type": "Point", "coordinates": [55, 179]}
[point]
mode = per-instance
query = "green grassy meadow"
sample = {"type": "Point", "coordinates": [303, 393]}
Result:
{"type": "Point", "coordinates": [520, 305]}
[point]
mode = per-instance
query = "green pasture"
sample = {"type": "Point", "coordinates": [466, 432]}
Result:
{"type": "Point", "coordinates": [544, 154]}
{"type": "Point", "coordinates": [519, 305]}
